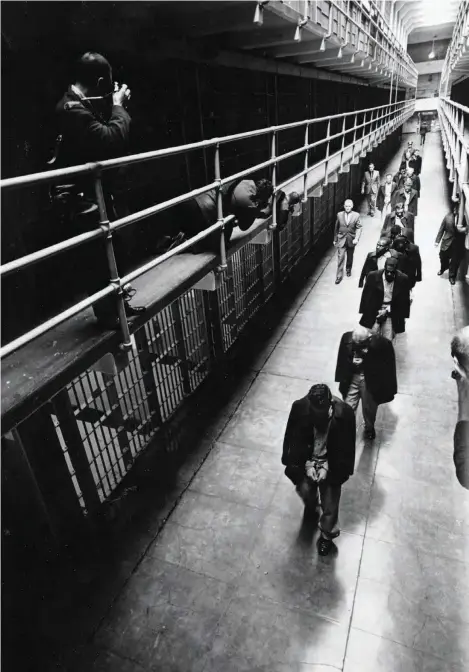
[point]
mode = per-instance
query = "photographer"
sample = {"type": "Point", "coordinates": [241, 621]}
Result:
{"type": "Point", "coordinates": [92, 126]}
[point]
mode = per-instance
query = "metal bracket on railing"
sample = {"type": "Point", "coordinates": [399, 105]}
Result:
{"type": "Point", "coordinates": [259, 13]}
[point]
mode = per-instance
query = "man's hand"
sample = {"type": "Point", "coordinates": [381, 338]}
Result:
{"type": "Point", "coordinates": [335, 243]}
{"type": "Point", "coordinates": [436, 244]}
{"type": "Point", "coordinates": [355, 241]}
{"type": "Point", "coordinates": [120, 95]}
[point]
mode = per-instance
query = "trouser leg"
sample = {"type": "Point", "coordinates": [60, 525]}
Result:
{"type": "Point", "coordinates": [372, 202]}
{"type": "Point", "coordinates": [445, 257]}
{"type": "Point", "coordinates": [330, 500]}
{"type": "Point", "coordinates": [350, 251]}
{"type": "Point", "coordinates": [457, 255]}
{"type": "Point", "coordinates": [369, 407]}
{"type": "Point", "coordinates": [340, 262]}
{"type": "Point", "coordinates": [387, 329]}
{"type": "Point", "coordinates": [308, 492]}
{"type": "Point", "coordinates": [352, 398]}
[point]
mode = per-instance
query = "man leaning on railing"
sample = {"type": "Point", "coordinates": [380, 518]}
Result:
{"type": "Point", "coordinates": [247, 200]}
{"type": "Point", "coordinates": [92, 126]}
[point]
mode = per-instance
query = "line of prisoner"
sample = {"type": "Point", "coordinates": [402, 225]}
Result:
{"type": "Point", "coordinates": [319, 443]}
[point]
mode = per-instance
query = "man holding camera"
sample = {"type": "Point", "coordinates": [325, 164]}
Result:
{"type": "Point", "coordinates": [93, 126]}
{"type": "Point", "coordinates": [319, 456]}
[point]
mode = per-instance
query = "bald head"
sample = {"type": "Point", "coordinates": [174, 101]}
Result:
{"type": "Point", "coordinates": [360, 334]}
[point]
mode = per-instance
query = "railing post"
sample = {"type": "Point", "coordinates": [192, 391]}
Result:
{"type": "Point", "coordinates": [326, 163]}
{"type": "Point", "coordinates": [305, 177]}
{"type": "Point", "coordinates": [111, 260]}
{"type": "Point", "coordinates": [343, 144]}
{"type": "Point", "coordinates": [362, 147]}
{"type": "Point", "coordinates": [273, 155]}
{"type": "Point", "coordinates": [355, 119]}
{"type": "Point", "coordinates": [220, 219]}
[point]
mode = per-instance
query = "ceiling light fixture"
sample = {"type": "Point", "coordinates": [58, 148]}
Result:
{"type": "Point", "coordinates": [432, 53]}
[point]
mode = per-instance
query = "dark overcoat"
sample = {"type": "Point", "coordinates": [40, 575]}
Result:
{"type": "Point", "coordinates": [379, 367]}
{"type": "Point", "coordinates": [298, 441]}
{"type": "Point", "coordinates": [372, 300]}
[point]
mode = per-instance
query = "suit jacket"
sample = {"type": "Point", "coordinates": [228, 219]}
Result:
{"type": "Point", "coordinates": [399, 197]}
{"type": "Point", "coordinates": [390, 221]}
{"type": "Point", "coordinates": [399, 180]}
{"type": "Point", "coordinates": [416, 164]}
{"type": "Point", "coordinates": [344, 234]}
{"type": "Point", "coordinates": [414, 254]}
{"type": "Point", "coordinates": [382, 194]}
{"type": "Point", "coordinates": [448, 233]}
{"type": "Point", "coordinates": [370, 182]}
{"type": "Point", "coordinates": [379, 367]}
{"type": "Point", "coordinates": [411, 265]}
{"type": "Point", "coordinates": [371, 264]}
{"type": "Point", "coordinates": [298, 441]}
{"type": "Point", "coordinates": [372, 300]}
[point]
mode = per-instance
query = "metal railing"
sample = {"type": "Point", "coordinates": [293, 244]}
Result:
{"type": "Point", "coordinates": [388, 55]}
{"type": "Point", "coordinates": [458, 50]}
{"type": "Point", "coordinates": [375, 125]}
{"type": "Point", "coordinates": [454, 122]}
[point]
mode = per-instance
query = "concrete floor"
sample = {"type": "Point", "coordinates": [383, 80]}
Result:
{"type": "Point", "coordinates": [233, 582]}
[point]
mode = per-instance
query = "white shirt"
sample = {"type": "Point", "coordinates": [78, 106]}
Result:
{"type": "Point", "coordinates": [387, 192]}
{"type": "Point", "coordinates": [388, 289]}
{"type": "Point", "coordinates": [407, 199]}
{"type": "Point", "coordinates": [382, 260]}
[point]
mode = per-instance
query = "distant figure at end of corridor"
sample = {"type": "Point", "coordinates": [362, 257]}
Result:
{"type": "Point", "coordinates": [385, 301]}
{"type": "Point", "coordinates": [366, 370]}
{"type": "Point", "coordinates": [319, 456]}
{"type": "Point", "coordinates": [346, 236]}
{"type": "Point", "coordinates": [460, 354]}
{"type": "Point", "coordinates": [423, 133]}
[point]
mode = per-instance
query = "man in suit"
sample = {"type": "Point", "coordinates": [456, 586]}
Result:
{"type": "Point", "coordinates": [408, 197]}
{"type": "Point", "coordinates": [385, 301]}
{"type": "Point", "coordinates": [460, 373]}
{"type": "Point", "coordinates": [93, 125]}
{"type": "Point", "coordinates": [409, 148]}
{"type": "Point", "coordinates": [375, 260]}
{"type": "Point", "coordinates": [423, 133]}
{"type": "Point", "coordinates": [319, 456]}
{"type": "Point", "coordinates": [384, 196]}
{"type": "Point", "coordinates": [370, 185]}
{"type": "Point", "coordinates": [366, 370]}
{"type": "Point", "coordinates": [346, 236]}
{"type": "Point", "coordinates": [415, 179]}
{"type": "Point", "coordinates": [451, 238]}
{"type": "Point", "coordinates": [397, 217]}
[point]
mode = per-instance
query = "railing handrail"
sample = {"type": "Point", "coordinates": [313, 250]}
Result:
{"type": "Point", "coordinates": [90, 168]}
{"type": "Point", "coordinates": [378, 114]}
